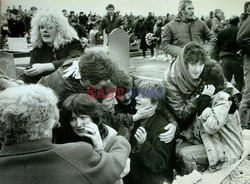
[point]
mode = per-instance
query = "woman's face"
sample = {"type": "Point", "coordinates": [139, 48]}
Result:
{"type": "Point", "coordinates": [78, 124]}
{"type": "Point", "coordinates": [48, 34]}
{"type": "Point", "coordinates": [195, 69]}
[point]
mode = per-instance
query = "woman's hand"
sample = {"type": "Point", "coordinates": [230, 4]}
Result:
{"type": "Point", "coordinates": [143, 113]}
{"type": "Point", "coordinates": [38, 68]}
{"type": "Point", "coordinates": [93, 133]}
{"type": "Point", "coordinates": [168, 136]}
{"type": "Point", "coordinates": [140, 135]}
{"type": "Point", "coordinates": [208, 90]}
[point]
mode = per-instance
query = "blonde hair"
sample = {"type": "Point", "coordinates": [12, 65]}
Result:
{"type": "Point", "coordinates": [182, 4]}
{"type": "Point", "coordinates": [65, 32]}
{"type": "Point", "coordinates": [27, 112]}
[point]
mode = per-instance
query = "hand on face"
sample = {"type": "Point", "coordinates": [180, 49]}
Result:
{"type": "Point", "coordinates": [145, 112]}
{"type": "Point", "coordinates": [92, 132]}
{"type": "Point", "coordinates": [208, 90]}
{"type": "Point", "coordinates": [140, 135]}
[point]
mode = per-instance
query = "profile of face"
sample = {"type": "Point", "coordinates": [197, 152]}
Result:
{"type": "Point", "coordinates": [142, 101]}
{"type": "Point", "coordinates": [220, 15]}
{"type": "Point", "coordinates": [78, 123]}
{"type": "Point", "coordinates": [110, 11]}
{"type": "Point", "coordinates": [248, 9]}
{"type": "Point", "coordinates": [48, 33]}
{"type": "Point", "coordinates": [109, 103]}
{"type": "Point", "coordinates": [195, 69]}
{"type": "Point", "coordinates": [188, 12]}
{"type": "Point", "coordinates": [126, 98]}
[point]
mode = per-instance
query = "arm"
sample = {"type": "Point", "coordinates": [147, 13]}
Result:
{"type": "Point", "coordinates": [160, 154]}
{"type": "Point", "coordinates": [73, 49]}
{"type": "Point", "coordinates": [215, 117]}
{"type": "Point", "coordinates": [183, 108]}
{"type": "Point", "coordinates": [209, 38]}
{"type": "Point", "coordinates": [105, 167]}
{"type": "Point", "coordinates": [167, 42]}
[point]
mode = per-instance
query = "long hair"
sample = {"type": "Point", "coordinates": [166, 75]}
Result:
{"type": "Point", "coordinates": [81, 104]}
{"type": "Point", "coordinates": [65, 33]}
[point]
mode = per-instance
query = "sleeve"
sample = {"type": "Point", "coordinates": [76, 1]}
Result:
{"type": "Point", "coordinates": [74, 49]}
{"type": "Point", "coordinates": [105, 167]}
{"type": "Point", "coordinates": [215, 117]}
{"type": "Point", "coordinates": [209, 37]}
{"type": "Point", "coordinates": [160, 155]}
{"type": "Point", "coordinates": [166, 43]}
{"type": "Point", "coordinates": [203, 102]}
{"type": "Point", "coordinates": [243, 36]}
{"type": "Point", "coordinates": [183, 108]}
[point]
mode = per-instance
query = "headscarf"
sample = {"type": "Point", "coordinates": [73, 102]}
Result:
{"type": "Point", "coordinates": [180, 76]}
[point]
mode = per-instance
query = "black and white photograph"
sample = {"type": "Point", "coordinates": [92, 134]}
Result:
{"type": "Point", "coordinates": [125, 92]}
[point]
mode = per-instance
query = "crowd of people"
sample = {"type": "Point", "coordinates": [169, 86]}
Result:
{"type": "Point", "coordinates": [74, 116]}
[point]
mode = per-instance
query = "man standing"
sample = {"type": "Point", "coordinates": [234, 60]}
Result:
{"type": "Point", "coordinates": [226, 50]}
{"type": "Point", "coordinates": [243, 40]}
{"type": "Point", "coordinates": [111, 21]}
{"type": "Point", "coordinates": [184, 29]}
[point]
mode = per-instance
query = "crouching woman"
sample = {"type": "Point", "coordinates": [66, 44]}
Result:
{"type": "Point", "coordinates": [217, 130]}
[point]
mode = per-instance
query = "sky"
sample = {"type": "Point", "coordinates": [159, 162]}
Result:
{"type": "Point", "coordinates": [159, 7]}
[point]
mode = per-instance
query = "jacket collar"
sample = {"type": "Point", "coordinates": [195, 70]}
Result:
{"type": "Point", "coordinates": [27, 147]}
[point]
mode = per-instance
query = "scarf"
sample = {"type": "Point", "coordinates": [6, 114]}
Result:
{"type": "Point", "coordinates": [180, 76]}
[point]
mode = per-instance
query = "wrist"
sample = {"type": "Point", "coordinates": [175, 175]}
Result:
{"type": "Point", "coordinates": [135, 117]}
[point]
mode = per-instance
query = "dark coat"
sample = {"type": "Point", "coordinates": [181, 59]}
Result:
{"type": "Point", "coordinates": [109, 25]}
{"type": "Point", "coordinates": [243, 37]}
{"type": "Point", "coordinates": [41, 162]}
{"type": "Point", "coordinates": [47, 54]}
{"type": "Point", "coordinates": [154, 161]}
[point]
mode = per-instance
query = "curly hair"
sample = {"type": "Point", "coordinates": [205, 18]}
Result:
{"type": "Point", "coordinates": [27, 112]}
{"type": "Point", "coordinates": [213, 74]}
{"type": "Point", "coordinates": [195, 53]}
{"type": "Point", "coordinates": [96, 66]}
{"type": "Point", "coordinates": [65, 33]}
{"type": "Point", "coordinates": [80, 104]}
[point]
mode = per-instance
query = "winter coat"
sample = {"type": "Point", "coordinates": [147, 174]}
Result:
{"type": "Point", "coordinates": [243, 37]}
{"type": "Point", "coordinates": [179, 32]}
{"type": "Point", "coordinates": [216, 26]}
{"type": "Point", "coordinates": [220, 132]}
{"type": "Point", "coordinates": [40, 161]}
{"type": "Point", "coordinates": [47, 54]}
{"type": "Point", "coordinates": [109, 25]}
{"type": "Point", "coordinates": [154, 160]}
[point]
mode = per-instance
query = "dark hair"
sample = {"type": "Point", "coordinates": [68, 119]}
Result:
{"type": "Point", "coordinates": [213, 74]}
{"type": "Point", "coordinates": [155, 93]}
{"type": "Point", "coordinates": [194, 53]}
{"type": "Point", "coordinates": [80, 104]}
{"type": "Point", "coordinates": [96, 66]}
{"type": "Point", "coordinates": [101, 93]}
{"type": "Point", "coordinates": [122, 80]}
{"type": "Point", "coordinates": [245, 6]}
{"type": "Point", "coordinates": [234, 20]}
{"type": "Point", "coordinates": [110, 6]}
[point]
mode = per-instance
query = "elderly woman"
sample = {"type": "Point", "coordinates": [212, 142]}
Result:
{"type": "Point", "coordinates": [27, 116]}
{"type": "Point", "coordinates": [54, 41]}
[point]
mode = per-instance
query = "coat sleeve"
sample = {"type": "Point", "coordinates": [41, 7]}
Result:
{"type": "Point", "coordinates": [104, 167]}
{"type": "Point", "coordinates": [209, 37]}
{"type": "Point", "coordinates": [166, 43]}
{"type": "Point", "coordinates": [73, 49]}
{"type": "Point", "coordinates": [215, 117]}
{"type": "Point", "coordinates": [183, 108]}
{"type": "Point", "coordinates": [160, 155]}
